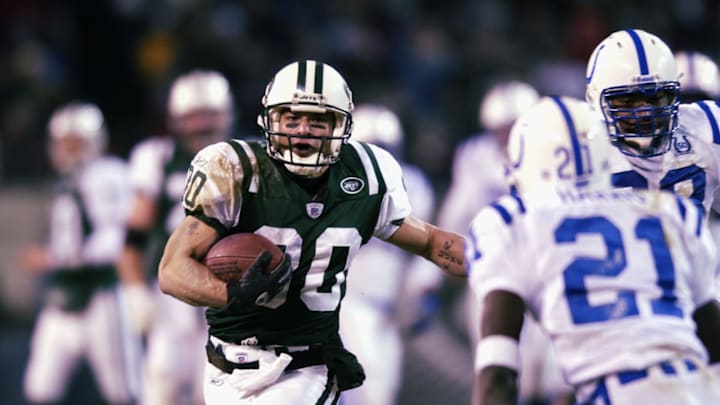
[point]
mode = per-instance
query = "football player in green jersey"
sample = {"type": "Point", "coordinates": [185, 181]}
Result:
{"type": "Point", "coordinates": [308, 188]}
{"type": "Point", "coordinates": [200, 113]}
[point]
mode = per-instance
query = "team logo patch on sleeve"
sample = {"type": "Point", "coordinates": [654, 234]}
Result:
{"type": "Point", "coordinates": [682, 146]}
{"type": "Point", "coordinates": [352, 185]}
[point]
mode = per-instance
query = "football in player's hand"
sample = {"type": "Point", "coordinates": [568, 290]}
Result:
{"type": "Point", "coordinates": [230, 257]}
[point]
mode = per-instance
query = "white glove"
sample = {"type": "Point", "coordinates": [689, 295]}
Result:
{"type": "Point", "coordinates": [271, 367]}
{"type": "Point", "coordinates": [140, 303]}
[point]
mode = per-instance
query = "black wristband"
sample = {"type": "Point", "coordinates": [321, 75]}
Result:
{"type": "Point", "coordinates": [137, 238]}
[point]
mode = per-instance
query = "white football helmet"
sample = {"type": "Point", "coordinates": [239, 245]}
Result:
{"type": "Point", "coordinates": [504, 103]}
{"type": "Point", "coordinates": [77, 135]}
{"type": "Point", "coordinates": [377, 124]}
{"type": "Point", "coordinates": [200, 108]}
{"type": "Point", "coordinates": [306, 86]}
{"type": "Point", "coordinates": [559, 142]}
{"type": "Point", "coordinates": [699, 76]}
{"type": "Point", "coordinates": [628, 66]}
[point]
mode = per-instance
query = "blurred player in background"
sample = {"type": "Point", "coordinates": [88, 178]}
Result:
{"type": "Point", "coordinates": [200, 112]}
{"type": "Point", "coordinates": [478, 175]}
{"type": "Point", "coordinates": [479, 178]}
{"type": "Point", "coordinates": [619, 279]}
{"type": "Point", "coordinates": [381, 274]}
{"type": "Point", "coordinates": [80, 319]}
{"type": "Point", "coordinates": [699, 76]}
{"type": "Point", "coordinates": [632, 79]}
{"type": "Point", "coordinates": [699, 79]}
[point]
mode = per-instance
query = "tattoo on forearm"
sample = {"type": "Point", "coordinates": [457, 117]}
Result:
{"type": "Point", "coordinates": [448, 256]}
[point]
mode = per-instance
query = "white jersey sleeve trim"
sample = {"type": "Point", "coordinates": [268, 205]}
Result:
{"type": "Point", "coordinates": [373, 184]}
{"type": "Point", "coordinates": [396, 203]}
{"type": "Point", "coordinates": [255, 179]}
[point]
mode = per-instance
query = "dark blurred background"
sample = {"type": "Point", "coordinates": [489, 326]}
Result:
{"type": "Point", "coordinates": [429, 60]}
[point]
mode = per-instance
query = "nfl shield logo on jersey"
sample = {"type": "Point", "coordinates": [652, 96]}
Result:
{"type": "Point", "coordinates": [314, 209]}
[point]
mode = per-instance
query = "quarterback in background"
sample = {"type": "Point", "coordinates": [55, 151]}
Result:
{"type": "Point", "coordinates": [80, 318]}
{"type": "Point", "coordinates": [619, 279]}
{"type": "Point", "coordinates": [381, 275]}
{"type": "Point", "coordinates": [274, 338]}
{"type": "Point", "coordinates": [200, 112]}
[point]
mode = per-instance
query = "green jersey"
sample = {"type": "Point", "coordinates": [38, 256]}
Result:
{"type": "Point", "coordinates": [236, 187]}
{"type": "Point", "coordinates": [158, 169]}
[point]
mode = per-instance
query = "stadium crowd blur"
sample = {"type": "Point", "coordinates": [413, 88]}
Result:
{"type": "Point", "coordinates": [429, 60]}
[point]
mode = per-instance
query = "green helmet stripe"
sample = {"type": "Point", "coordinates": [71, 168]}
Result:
{"type": "Point", "coordinates": [302, 75]}
{"type": "Point", "coordinates": [319, 68]}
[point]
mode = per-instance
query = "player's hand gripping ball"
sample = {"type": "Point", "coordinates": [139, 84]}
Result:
{"type": "Point", "coordinates": [230, 257]}
{"type": "Point", "coordinates": [253, 268]}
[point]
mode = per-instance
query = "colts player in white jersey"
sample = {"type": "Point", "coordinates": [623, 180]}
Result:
{"type": "Point", "coordinates": [200, 112]}
{"type": "Point", "coordinates": [485, 154]}
{"type": "Point", "coordinates": [699, 76]}
{"type": "Point", "coordinates": [381, 274]}
{"type": "Point", "coordinates": [620, 279]}
{"type": "Point", "coordinates": [632, 79]}
{"type": "Point", "coordinates": [80, 319]}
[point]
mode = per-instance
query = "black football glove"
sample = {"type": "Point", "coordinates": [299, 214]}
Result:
{"type": "Point", "coordinates": [256, 286]}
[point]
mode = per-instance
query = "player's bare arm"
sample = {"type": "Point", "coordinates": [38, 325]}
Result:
{"type": "Point", "coordinates": [444, 248]}
{"type": "Point", "coordinates": [140, 222]}
{"type": "Point", "coordinates": [501, 322]}
{"type": "Point", "coordinates": [181, 273]}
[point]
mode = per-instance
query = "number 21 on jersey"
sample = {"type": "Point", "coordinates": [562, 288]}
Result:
{"type": "Point", "coordinates": [575, 275]}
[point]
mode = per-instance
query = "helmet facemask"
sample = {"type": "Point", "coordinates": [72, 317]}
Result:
{"type": "Point", "coordinates": [641, 119]}
{"type": "Point", "coordinates": [305, 154]}
{"type": "Point", "coordinates": [306, 90]}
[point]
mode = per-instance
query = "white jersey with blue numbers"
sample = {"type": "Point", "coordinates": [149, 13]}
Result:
{"type": "Point", "coordinates": [690, 168]}
{"type": "Point", "coordinates": [613, 277]}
